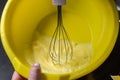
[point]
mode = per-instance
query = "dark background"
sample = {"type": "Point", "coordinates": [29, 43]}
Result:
{"type": "Point", "coordinates": [110, 67]}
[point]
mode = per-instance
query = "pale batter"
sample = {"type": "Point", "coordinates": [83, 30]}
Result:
{"type": "Point", "coordinates": [81, 55]}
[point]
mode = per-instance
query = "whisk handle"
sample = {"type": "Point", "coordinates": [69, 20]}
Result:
{"type": "Point", "coordinates": [59, 2]}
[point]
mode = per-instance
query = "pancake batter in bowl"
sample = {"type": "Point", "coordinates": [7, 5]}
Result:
{"type": "Point", "coordinates": [82, 53]}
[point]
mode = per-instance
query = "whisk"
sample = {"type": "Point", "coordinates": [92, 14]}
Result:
{"type": "Point", "coordinates": [60, 48]}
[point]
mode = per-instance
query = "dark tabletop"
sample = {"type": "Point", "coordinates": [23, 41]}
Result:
{"type": "Point", "coordinates": [6, 68]}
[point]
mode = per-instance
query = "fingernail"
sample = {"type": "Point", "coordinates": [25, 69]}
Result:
{"type": "Point", "coordinates": [37, 65]}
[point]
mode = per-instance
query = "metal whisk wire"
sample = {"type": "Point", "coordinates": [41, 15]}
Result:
{"type": "Point", "coordinates": [60, 49]}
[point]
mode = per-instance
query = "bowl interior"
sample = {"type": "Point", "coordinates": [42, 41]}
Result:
{"type": "Point", "coordinates": [87, 22]}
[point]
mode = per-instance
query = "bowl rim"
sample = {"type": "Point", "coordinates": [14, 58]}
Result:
{"type": "Point", "coordinates": [21, 69]}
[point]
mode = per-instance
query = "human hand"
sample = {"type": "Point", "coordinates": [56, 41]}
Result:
{"type": "Point", "coordinates": [34, 73]}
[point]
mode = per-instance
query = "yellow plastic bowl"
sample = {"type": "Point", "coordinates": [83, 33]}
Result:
{"type": "Point", "coordinates": [93, 21]}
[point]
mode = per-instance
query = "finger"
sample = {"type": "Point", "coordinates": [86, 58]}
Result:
{"type": "Point", "coordinates": [35, 72]}
{"type": "Point", "coordinates": [16, 76]}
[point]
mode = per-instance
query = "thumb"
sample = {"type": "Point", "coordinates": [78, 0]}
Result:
{"type": "Point", "coordinates": [35, 72]}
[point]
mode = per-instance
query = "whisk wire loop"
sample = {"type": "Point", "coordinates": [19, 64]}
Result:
{"type": "Point", "coordinates": [60, 49]}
